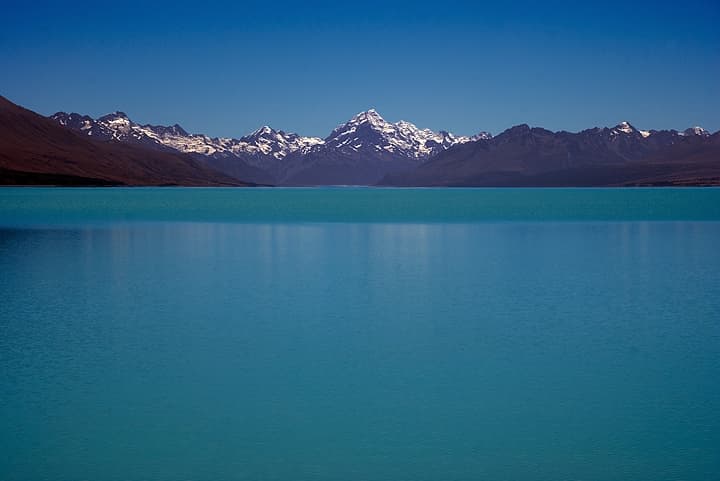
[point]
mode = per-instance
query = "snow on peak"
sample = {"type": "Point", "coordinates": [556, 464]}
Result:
{"type": "Point", "coordinates": [116, 116]}
{"type": "Point", "coordinates": [697, 130]}
{"type": "Point", "coordinates": [625, 127]}
{"type": "Point", "coordinates": [267, 141]}
{"type": "Point", "coordinates": [117, 126]}
{"type": "Point", "coordinates": [370, 116]}
{"type": "Point", "coordinates": [264, 130]}
{"type": "Point", "coordinates": [481, 136]}
{"type": "Point", "coordinates": [369, 132]}
{"type": "Point", "coordinates": [74, 121]}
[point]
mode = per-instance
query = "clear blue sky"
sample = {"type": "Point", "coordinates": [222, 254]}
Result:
{"type": "Point", "coordinates": [228, 68]}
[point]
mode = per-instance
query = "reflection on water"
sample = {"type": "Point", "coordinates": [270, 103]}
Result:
{"type": "Point", "coordinates": [360, 351]}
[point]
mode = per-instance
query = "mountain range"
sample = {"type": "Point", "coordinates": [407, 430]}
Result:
{"type": "Point", "coordinates": [36, 150]}
{"type": "Point", "coordinates": [621, 155]}
{"type": "Point", "coordinates": [365, 150]}
{"type": "Point", "coordinates": [362, 150]}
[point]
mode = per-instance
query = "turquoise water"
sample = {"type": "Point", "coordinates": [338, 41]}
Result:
{"type": "Point", "coordinates": [23, 206]}
{"type": "Point", "coordinates": [359, 334]}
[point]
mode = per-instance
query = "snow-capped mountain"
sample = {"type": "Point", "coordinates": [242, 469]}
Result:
{"type": "Point", "coordinates": [118, 127]}
{"type": "Point", "coordinates": [696, 131]}
{"type": "Point", "coordinates": [254, 157]}
{"type": "Point", "coordinates": [624, 127]}
{"type": "Point", "coordinates": [368, 131]}
{"type": "Point", "coordinates": [274, 156]}
{"type": "Point", "coordinates": [368, 148]}
{"type": "Point", "coordinates": [266, 141]}
{"type": "Point", "coordinates": [35, 150]}
{"type": "Point", "coordinates": [617, 155]}
{"type": "Point", "coordinates": [365, 149]}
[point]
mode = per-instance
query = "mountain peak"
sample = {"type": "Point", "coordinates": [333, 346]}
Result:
{"type": "Point", "coordinates": [625, 127]}
{"type": "Point", "coordinates": [518, 129]}
{"type": "Point", "coordinates": [73, 120]}
{"type": "Point", "coordinates": [370, 116]}
{"type": "Point", "coordinates": [697, 130]}
{"type": "Point", "coordinates": [175, 130]}
{"type": "Point", "coordinates": [481, 136]}
{"type": "Point", "coordinates": [262, 131]}
{"type": "Point", "coordinates": [115, 117]}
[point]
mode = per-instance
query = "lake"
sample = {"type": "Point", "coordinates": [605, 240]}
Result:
{"type": "Point", "coordinates": [359, 334]}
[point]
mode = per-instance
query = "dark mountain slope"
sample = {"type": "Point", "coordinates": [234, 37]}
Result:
{"type": "Point", "coordinates": [524, 156]}
{"type": "Point", "coordinates": [36, 150]}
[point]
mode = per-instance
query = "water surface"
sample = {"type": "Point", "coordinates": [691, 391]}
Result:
{"type": "Point", "coordinates": [23, 206]}
{"type": "Point", "coordinates": [535, 335]}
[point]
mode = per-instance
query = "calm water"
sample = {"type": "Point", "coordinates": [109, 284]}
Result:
{"type": "Point", "coordinates": [359, 334]}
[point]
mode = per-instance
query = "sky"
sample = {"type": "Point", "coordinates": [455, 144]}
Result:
{"type": "Point", "coordinates": [227, 68]}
